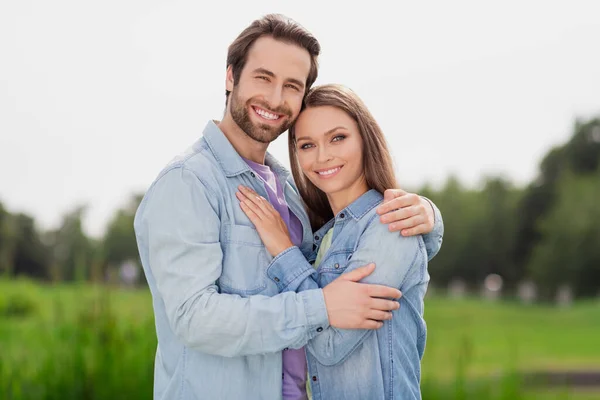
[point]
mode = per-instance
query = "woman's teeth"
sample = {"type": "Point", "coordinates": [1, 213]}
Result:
{"type": "Point", "coordinates": [329, 171]}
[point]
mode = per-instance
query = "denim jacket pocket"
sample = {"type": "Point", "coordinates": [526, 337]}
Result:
{"type": "Point", "coordinates": [239, 276]}
{"type": "Point", "coordinates": [334, 265]}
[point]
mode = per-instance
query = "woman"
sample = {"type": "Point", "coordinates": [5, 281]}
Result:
{"type": "Point", "coordinates": [341, 165]}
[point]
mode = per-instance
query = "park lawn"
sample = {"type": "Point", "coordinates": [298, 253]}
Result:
{"type": "Point", "coordinates": [91, 328]}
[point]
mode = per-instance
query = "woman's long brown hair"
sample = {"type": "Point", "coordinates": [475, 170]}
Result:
{"type": "Point", "coordinates": [377, 161]}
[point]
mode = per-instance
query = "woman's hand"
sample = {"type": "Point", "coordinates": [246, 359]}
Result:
{"type": "Point", "coordinates": [269, 224]}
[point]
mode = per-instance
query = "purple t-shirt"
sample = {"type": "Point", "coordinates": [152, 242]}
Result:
{"type": "Point", "coordinates": [294, 360]}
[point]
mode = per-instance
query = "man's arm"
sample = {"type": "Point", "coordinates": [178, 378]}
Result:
{"type": "Point", "coordinates": [179, 228]}
{"type": "Point", "coordinates": [395, 257]}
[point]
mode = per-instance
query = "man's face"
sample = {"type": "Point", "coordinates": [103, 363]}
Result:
{"type": "Point", "coordinates": [268, 96]}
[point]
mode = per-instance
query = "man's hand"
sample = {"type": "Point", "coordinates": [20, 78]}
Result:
{"type": "Point", "coordinates": [406, 212]}
{"type": "Point", "coordinates": [353, 305]}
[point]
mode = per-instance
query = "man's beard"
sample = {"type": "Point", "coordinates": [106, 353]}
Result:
{"type": "Point", "coordinates": [263, 133]}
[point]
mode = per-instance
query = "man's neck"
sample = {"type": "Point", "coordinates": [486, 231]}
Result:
{"type": "Point", "coordinates": [242, 143]}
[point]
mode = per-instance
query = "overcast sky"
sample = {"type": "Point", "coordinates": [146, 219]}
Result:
{"type": "Point", "coordinates": [95, 97]}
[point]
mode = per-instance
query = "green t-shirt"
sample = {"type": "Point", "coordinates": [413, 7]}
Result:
{"type": "Point", "coordinates": [325, 244]}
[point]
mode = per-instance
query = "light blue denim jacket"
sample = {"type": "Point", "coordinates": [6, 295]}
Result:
{"type": "Point", "coordinates": [364, 364]}
{"type": "Point", "coordinates": [221, 322]}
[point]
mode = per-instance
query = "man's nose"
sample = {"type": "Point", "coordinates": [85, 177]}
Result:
{"type": "Point", "coordinates": [275, 96]}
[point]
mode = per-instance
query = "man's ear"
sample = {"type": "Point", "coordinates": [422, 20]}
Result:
{"type": "Point", "coordinates": [229, 79]}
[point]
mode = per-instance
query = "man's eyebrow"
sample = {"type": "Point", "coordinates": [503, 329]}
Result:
{"type": "Point", "coordinates": [272, 75]}
{"type": "Point", "coordinates": [264, 71]}
{"type": "Point", "coordinates": [296, 82]}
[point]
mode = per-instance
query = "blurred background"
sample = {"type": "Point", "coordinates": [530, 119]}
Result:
{"type": "Point", "coordinates": [491, 110]}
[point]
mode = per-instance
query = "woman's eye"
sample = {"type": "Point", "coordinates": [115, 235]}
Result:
{"type": "Point", "coordinates": [338, 138]}
{"type": "Point", "coordinates": [306, 146]}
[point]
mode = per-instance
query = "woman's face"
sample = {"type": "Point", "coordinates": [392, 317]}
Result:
{"type": "Point", "coordinates": [329, 148]}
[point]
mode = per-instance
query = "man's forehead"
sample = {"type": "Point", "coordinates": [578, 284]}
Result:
{"type": "Point", "coordinates": [283, 59]}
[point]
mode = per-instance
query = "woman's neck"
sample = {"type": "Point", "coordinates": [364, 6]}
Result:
{"type": "Point", "coordinates": [343, 198]}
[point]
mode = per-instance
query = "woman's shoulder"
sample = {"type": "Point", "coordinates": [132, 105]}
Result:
{"type": "Point", "coordinates": [379, 233]}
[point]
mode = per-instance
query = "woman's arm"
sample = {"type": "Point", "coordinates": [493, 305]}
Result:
{"type": "Point", "coordinates": [400, 263]}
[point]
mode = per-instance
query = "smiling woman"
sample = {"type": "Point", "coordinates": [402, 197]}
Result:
{"type": "Point", "coordinates": [337, 152]}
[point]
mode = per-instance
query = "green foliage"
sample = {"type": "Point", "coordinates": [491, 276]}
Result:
{"type": "Point", "coordinates": [568, 251]}
{"type": "Point", "coordinates": [93, 342]}
{"type": "Point", "coordinates": [545, 231]}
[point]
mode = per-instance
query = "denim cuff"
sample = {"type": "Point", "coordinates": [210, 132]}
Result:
{"type": "Point", "coordinates": [316, 312]}
{"type": "Point", "coordinates": [289, 268]}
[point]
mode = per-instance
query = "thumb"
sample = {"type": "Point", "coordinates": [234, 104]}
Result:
{"type": "Point", "coordinates": [391, 194]}
{"type": "Point", "coordinates": [359, 273]}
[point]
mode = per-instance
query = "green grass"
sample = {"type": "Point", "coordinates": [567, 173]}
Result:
{"type": "Point", "coordinates": [506, 335]}
{"type": "Point", "coordinates": [85, 342]}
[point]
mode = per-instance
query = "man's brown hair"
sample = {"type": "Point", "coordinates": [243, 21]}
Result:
{"type": "Point", "coordinates": [279, 27]}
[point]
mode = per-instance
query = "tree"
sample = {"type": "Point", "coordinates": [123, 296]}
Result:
{"type": "Point", "coordinates": [119, 244]}
{"type": "Point", "coordinates": [72, 251]}
{"type": "Point", "coordinates": [568, 251]}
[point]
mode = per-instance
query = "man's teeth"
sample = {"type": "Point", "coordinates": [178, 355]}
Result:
{"type": "Point", "coordinates": [265, 114]}
{"type": "Point", "coordinates": [329, 171]}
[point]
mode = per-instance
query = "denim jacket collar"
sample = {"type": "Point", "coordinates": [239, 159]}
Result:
{"type": "Point", "coordinates": [357, 209]}
{"type": "Point", "coordinates": [229, 159]}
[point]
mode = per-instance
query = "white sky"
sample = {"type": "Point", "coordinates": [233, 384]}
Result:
{"type": "Point", "coordinates": [95, 97]}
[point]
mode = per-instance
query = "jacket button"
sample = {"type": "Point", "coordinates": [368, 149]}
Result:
{"type": "Point", "coordinates": [319, 329]}
{"type": "Point", "coordinates": [342, 215]}
{"type": "Point", "coordinates": [252, 174]}
{"type": "Point", "coordinates": [276, 279]}
{"type": "Point", "coordinates": [336, 266]}
{"type": "Point", "coordinates": [314, 378]}
{"type": "Point", "coordinates": [316, 237]}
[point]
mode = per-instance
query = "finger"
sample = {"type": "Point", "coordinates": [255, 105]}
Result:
{"type": "Point", "coordinates": [378, 315]}
{"type": "Point", "coordinates": [255, 200]}
{"type": "Point", "coordinates": [417, 230]}
{"type": "Point", "coordinates": [398, 215]}
{"type": "Point", "coordinates": [390, 194]}
{"type": "Point", "coordinates": [359, 273]}
{"type": "Point", "coordinates": [383, 305]}
{"type": "Point", "coordinates": [245, 195]}
{"type": "Point", "coordinates": [406, 200]}
{"type": "Point", "coordinates": [260, 201]}
{"type": "Point", "coordinates": [252, 206]}
{"type": "Point", "coordinates": [381, 291]}
{"type": "Point", "coordinates": [255, 219]}
{"type": "Point", "coordinates": [371, 324]}
{"type": "Point", "coordinates": [249, 191]}
{"type": "Point", "coordinates": [407, 223]}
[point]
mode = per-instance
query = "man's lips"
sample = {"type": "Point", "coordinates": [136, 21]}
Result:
{"type": "Point", "coordinates": [266, 115]}
{"type": "Point", "coordinates": [327, 173]}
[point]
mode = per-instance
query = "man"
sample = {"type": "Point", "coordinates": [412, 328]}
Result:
{"type": "Point", "coordinates": [220, 322]}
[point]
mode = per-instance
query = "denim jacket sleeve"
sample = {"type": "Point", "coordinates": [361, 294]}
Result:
{"type": "Point", "coordinates": [179, 227]}
{"type": "Point", "coordinates": [433, 240]}
{"type": "Point", "coordinates": [394, 256]}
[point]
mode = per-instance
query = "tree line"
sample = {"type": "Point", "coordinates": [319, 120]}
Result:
{"type": "Point", "coordinates": [547, 232]}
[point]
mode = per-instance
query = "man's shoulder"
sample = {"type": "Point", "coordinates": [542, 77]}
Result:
{"type": "Point", "coordinates": [198, 160]}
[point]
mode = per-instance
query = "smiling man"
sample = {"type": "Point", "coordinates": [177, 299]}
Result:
{"type": "Point", "coordinates": [224, 331]}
